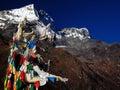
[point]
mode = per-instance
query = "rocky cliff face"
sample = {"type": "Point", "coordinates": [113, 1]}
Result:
{"type": "Point", "coordinates": [88, 64]}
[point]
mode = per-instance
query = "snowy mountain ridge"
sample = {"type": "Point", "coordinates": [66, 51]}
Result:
{"type": "Point", "coordinates": [42, 19]}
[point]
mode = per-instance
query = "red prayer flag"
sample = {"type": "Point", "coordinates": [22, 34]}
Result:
{"type": "Point", "coordinates": [37, 84]}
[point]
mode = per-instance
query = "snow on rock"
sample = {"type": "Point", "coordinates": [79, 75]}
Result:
{"type": "Point", "coordinates": [46, 19]}
{"type": "Point", "coordinates": [44, 16]}
{"type": "Point", "coordinates": [4, 19]}
{"type": "Point", "coordinates": [2, 25]}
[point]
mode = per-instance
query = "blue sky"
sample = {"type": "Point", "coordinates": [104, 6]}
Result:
{"type": "Point", "coordinates": [101, 17]}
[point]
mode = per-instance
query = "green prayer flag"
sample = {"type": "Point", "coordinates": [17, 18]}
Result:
{"type": "Point", "coordinates": [12, 63]}
{"type": "Point", "coordinates": [29, 67]}
{"type": "Point", "coordinates": [18, 84]}
{"type": "Point", "coordinates": [32, 87]}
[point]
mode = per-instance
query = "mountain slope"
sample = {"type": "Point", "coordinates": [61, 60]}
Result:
{"type": "Point", "coordinates": [83, 72]}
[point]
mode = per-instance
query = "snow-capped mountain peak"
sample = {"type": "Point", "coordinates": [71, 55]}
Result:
{"type": "Point", "coordinates": [81, 33]}
{"type": "Point", "coordinates": [18, 15]}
